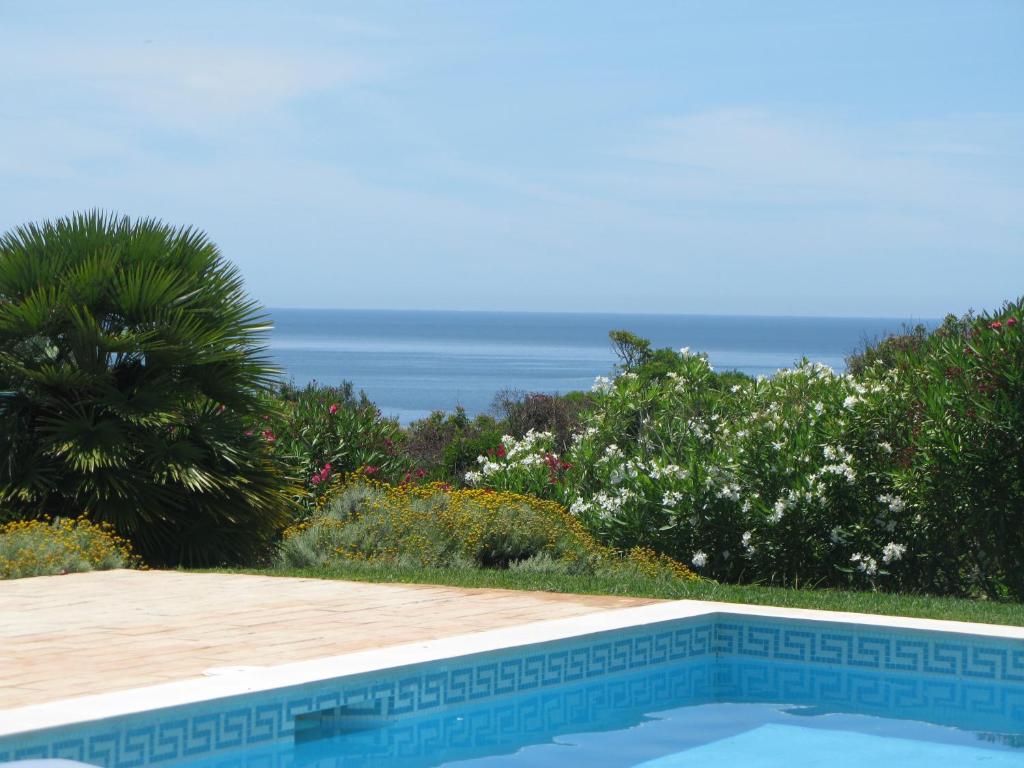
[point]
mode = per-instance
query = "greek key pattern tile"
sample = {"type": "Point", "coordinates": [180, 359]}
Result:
{"type": "Point", "coordinates": [185, 733]}
{"type": "Point", "coordinates": [822, 665]}
{"type": "Point", "coordinates": [956, 656]}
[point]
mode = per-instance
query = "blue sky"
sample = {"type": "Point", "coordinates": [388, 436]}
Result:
{"type": "Point", "coordinates": [794, 158]}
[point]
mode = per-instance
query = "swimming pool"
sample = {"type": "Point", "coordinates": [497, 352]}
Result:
{"type": "Point", "coordinates": [744, 689]}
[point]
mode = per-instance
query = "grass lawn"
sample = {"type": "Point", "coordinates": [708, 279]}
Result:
{"type": "Point", "coordinates": [919, 606]}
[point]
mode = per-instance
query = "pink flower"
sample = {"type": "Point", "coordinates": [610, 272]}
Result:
{"type": "Point", "coordinates": [371, 470]}
{"type": "Point", "coordinates": [269, 435]}
{"type": "Point", "coordinates": [995, 326]}
{"type": "Point", "coordinates": [501, 451]}
{"type": "Point", "coordinates": [333, 409]}
{"type": "Point", "coordinates": [315, 480]}
{"type": "Point", "coordinates": [1011, 322]}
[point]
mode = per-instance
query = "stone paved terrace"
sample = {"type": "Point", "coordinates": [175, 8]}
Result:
{"type": "Point", "coordinates": [87, 633]}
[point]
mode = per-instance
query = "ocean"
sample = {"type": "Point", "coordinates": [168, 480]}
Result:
{"type": "Point", "coordinates": [413, 362]}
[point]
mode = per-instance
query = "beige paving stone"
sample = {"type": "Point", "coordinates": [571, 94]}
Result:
{"type": "Point", "coordinates": [87, 633]}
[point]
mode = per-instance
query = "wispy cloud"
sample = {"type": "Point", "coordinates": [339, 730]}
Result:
{"type": "Point", "coordinates": [187, 85]}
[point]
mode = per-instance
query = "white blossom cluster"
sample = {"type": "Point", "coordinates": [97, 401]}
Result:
{"type": "Point", "coordinates": [865, 564]}
{"type": "Point", "coordinates": [892, 552]}
{"type": "Point", "coordinates": [894, 503]}
{"type": "Point", "coordinates": [605, 504]}
{"type": "Point", "coordinates": [840, 466]}
{"type": "Point", "coordinates": [745, 541]}
{"type": "Point", "coordinates": [527, 453]}
{"type": "Point", "coordinates": [671, 498]}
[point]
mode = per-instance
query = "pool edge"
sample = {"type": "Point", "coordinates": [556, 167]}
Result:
{"type": "Point", "coordinates": [83, 710]}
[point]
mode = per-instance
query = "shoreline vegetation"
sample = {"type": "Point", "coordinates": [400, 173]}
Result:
{"type": "Point", "coordinates": [135, 394]}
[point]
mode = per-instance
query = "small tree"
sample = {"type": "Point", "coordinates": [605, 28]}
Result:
{"type": "Point", "coordinates": [631, 349]}
{"type": "Point", "coordinates": [132, 362]}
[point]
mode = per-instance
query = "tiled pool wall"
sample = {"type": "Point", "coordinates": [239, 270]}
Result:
{"type": "Point", "coordinates": [716, 657]}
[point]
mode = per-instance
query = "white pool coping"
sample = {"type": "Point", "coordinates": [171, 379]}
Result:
{"type": "Point", "coordinates": [244, 680]}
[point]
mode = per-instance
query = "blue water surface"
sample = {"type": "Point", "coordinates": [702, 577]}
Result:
{"type": "Point", "coordinates": [742, 713]}
{"type": "Point", "coordinates": [413, 362]}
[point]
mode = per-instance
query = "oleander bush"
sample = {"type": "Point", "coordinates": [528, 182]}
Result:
{"type": "Point", "coordinates": [43, 548]}
{"type": "Point", "coordinates": [434, 526]}
{"type": "Point", "coordinates": [131, 364]}
{"type": "Point", "coordinates": [907, 476]}
{"type": "Point", "coordinates": [324, 433]}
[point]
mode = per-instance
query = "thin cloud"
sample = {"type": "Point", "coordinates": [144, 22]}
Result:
{"type": "Point", "coordinates": [187, 84]}
{"type": "Point", "coordinates": [742, 156]}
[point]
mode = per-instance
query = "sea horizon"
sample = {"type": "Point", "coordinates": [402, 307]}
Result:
{"type": "Point", "coordinates": [411, 362]}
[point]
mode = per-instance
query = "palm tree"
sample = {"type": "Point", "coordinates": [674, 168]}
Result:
{"type": "Point", "coordinates": [131, 364]}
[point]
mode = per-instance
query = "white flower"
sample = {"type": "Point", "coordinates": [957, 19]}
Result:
{"type": "Point", "coordinates": [819, 408]}
{"type": "Point", "coordinates": [779, 511]}
{"type": "Point", "coordinates": [473, 477]}
{"type": "Point", "coordinates": [684, 352]}
{"type": "Point", "coordinates": [892, 552]}
{"type": "Point", "coordinates": [865, 564]}
{"type": "Point", "coordinates": [735, 388]}
{"type": "Point", "coordinates": [777, 445]}
{"type": "Point", "coordinates": [602, 385]}
{"type": "Point", "coordinates": [578, 507]}
{"type": "Point", "coordinates": [745, 540]}
{"type": "Point", "coordinates": [699, 559]}
{"type": "Point", "coordinates": [836, 535]}
{"type": "Point", "coordinates": [729, 491]}
{"type": "Point", "coordinates": [851, 401]}
{"type": "Point", "coordinates": [895, 503]}
{"type": "Point", "coordinates": [886, 447]}
{"type": "Point", "coordinates": [671, 498]}
{"type": "Point", "coordinates": [677, 472]}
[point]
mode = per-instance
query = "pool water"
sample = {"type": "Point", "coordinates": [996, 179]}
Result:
{"type": "Point", "coordinates": [729, 712]}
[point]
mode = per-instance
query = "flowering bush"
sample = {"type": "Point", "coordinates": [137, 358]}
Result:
{"type": "Point", "coordinates": [40, 548]}
{"type": "Point", "coordinates": [906, 476]}
{"type": "Point", "coordinates": [325, 433]}
{"type": "Point", "coordinates": [435, 526]}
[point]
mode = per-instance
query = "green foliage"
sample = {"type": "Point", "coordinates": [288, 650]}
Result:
{"type": "Point", "coordinates": [132, 362]}
{"type": "Point", "coordinates": [434, 526]}
{"type": "Point", "coordinates": [445, 445]}
{"type": "Point", "coordinates": [559, 414]}
{"type": "Point", "coordinates": [632, 350]}
{"type": "Point", "coordinates": [907, 476]}
{"type": "Point", "coordinates": [324, 433]}
{"type": "Point", "coordinates": [41, 548]}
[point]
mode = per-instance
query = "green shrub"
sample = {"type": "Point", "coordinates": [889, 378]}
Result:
{"type": "Point", "coordinates": [436, 527]}
{"type": "Point", "coordinates": [445, 445]}
{"type": "Point", "coordinates": [907, 476]}
{"type": "Point", "coordinates": [133, 363]}
{"type": "Point", "coordinates": [40, 548]}
{"type": "Point", "coordinates": [324, 433]}
{"type": "Point", "coordinates": [961, 467]}
{"type": "Point", "coordinates": [558, 414]}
